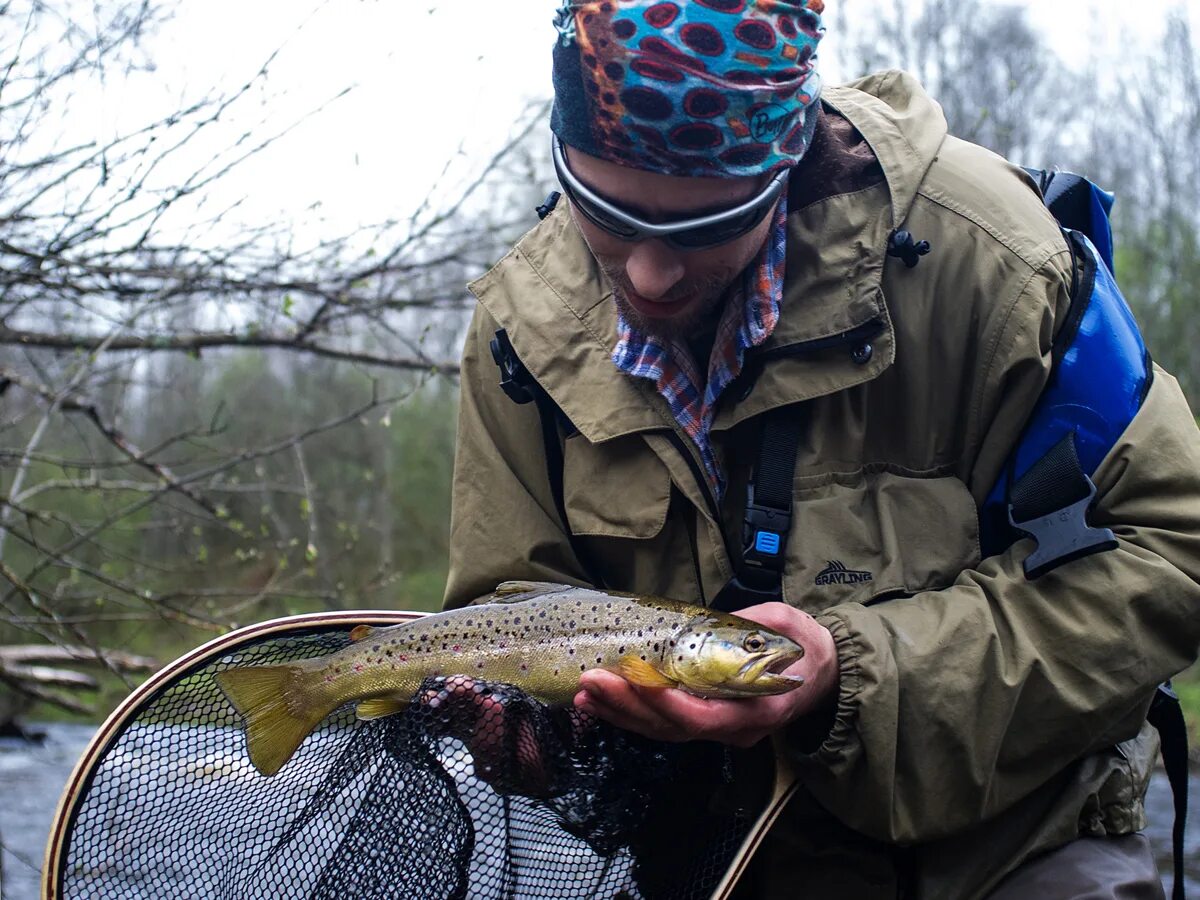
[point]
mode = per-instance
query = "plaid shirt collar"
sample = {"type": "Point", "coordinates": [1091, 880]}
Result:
{"type": "Point", "coordinates": [749, 318]}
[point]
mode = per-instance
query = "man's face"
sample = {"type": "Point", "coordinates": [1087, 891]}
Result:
{"type": "Point", "coordinates": [662, 290]}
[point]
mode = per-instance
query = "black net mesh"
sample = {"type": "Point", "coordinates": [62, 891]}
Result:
{"type": "Point", "coordinates": [474, 791]}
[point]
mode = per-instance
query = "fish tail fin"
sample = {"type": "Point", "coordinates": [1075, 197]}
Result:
{"type": "Point", "coordinates": [280, 709]}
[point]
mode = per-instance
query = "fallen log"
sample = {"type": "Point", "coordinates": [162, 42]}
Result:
{"type": "Point", "coordinates": [73, 655]}
{"type": "Point", "coordinates": [29, 672]}
{"type": "Point", "coordinates": [67, 678]}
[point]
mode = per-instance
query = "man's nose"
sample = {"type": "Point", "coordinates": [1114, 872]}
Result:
{"type": "Point", "coordinates": [653, 268]}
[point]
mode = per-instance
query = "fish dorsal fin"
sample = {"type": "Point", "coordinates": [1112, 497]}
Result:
{"type": "Point", "coordinates": [379, 707]}
{"type": "Point", "coordinates": [358, 632]}
{"type": "Point", "coordinates": [517, 591]}
{"type": "Point", "coordinates": [637, 671]}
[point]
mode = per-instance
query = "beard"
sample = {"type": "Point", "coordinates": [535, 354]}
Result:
{"type": "Point", "coordinates": [707, 295]}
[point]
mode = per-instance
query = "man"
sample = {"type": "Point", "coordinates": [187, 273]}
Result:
{"type": "Point", "coordinates": [728, 255]}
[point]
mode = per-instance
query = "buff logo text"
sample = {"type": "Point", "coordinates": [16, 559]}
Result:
{"type": "Point", "coordinates": [837, 573]}
{"type": "Point", "coordinates": [767, 122]}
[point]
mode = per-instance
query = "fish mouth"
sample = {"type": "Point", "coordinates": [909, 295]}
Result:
{"type": "Point", "coordinates": [771, 666]}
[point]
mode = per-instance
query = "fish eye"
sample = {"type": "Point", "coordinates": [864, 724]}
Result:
{"type": "Point", "coordinates": [754, 643]}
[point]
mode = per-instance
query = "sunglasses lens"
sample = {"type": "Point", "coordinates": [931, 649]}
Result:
{"type": "Point", "coordinates": [722, 233]}
{"type": "Point", "coordinates": [601, 219]}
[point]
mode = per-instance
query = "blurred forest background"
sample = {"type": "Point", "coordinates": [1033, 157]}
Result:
{"type": "Point", "coordinates": [204, 424]}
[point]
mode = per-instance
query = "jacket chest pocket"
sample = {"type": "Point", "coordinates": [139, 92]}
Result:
{"type": "Point", "coordinates": [615, 489]}
{"type": "Point", "coordinates": [877, 532]}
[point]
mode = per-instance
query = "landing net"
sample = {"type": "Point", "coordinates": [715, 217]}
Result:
{"type": "Point", "coordinates": [551, 805]}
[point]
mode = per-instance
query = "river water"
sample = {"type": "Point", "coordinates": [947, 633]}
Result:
{"type": "Point", "coordinates": [32, 777]}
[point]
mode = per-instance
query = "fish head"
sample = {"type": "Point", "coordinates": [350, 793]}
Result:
{"type": "Point", "coordinates": [726, 657]}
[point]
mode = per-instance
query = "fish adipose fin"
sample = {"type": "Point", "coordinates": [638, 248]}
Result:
{"type": "Point", "coordinates": [637, 671]}
{"type": "Point", "coordinates": [379, 707]}
{"type": "Point", "coordinates": [358, 632]}
{"type": "Point", "coordinates": [278, 708]}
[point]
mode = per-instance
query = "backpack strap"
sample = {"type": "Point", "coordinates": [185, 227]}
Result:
{"type": "Point", "coordinates": [1100, 375]}
{"type": "Point", "coordinates": [1079, 205]}
{"type": "Point", "coordinates": [767, 521]}
{"type": "Point", "coordinates": [521, 387]}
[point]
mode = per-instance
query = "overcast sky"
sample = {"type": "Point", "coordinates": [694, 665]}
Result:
{"type": "Point", "coordinates": [429, 77]}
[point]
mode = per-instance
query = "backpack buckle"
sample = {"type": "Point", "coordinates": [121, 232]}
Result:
{"type": "Point", "coordinates": [764, 536]}
{"type": "Point", "coordinates": [1063, 535]}
{"type": "Point", "coordinates": [514, 377]}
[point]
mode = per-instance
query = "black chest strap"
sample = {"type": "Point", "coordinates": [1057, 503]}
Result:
{"type": "Point", "coordinates": [521, 387]}
{"type": "Point", "coordinates": [767, 522]}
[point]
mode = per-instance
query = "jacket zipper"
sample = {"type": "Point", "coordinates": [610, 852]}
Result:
{"type": "Point", "coordinates": [858, 333]}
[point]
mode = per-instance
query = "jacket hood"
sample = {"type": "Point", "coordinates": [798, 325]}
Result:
{"type": "Point", "coordinates": [551, 298]}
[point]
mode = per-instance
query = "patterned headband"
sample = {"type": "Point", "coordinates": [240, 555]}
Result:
{"type": "Point", "coordinates": [718, 88]}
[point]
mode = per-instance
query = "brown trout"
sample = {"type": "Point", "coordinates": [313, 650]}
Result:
{"type": "Point", "coordinates": [538, 637]}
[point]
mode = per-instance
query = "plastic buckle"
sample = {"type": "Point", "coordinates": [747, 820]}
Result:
{"type": "Point", "coordinates": [1063, 535]}
{"type": "Point", "coordinates": [764, 536]}
{"type": "Point", "coordinates": [514, 377]}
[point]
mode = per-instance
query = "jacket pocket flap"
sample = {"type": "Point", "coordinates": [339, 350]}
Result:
{"type": "Point", "coordinates": [615, 489]}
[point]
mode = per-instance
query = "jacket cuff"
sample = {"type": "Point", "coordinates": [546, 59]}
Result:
{"type": "Point", "coordinates": [826, 736]}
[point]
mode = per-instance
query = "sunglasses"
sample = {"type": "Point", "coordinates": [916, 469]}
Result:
{"type": "Point", "coordinates": [686, 234]}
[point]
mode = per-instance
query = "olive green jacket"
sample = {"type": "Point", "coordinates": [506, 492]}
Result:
{"type": "Point", "coordinates": [982, 717]}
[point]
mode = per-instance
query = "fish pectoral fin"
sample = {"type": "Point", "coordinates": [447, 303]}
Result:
{"type": "Point", "coordinates": [358, 632]}
{"type": "Point", "coordinates": [379, 707]}
{"type": "Point", "coordinates": [637, 671]}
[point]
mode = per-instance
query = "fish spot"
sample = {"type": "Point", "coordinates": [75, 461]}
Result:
{"type": "Point", "coordinates": [479, 665]}
{"type": "Point", "coordinates": [403, 657]}
{"type": "Point", "coordinates": [581, 667]}
{"type": "Point", "coordinates": [358, 667]}
{"type": "Point", "coordinates": [621, 649]}
{"type": "Point", "coordinates": [571, 651]}
{"type": "Point", "coordinates": [375, 647]}
{"type": "Point", "coordinates": [692, 647]}
{"type": "Point", "coordinates": [599, 659]}
{"type": "Point", "coordinates": [643, 656]}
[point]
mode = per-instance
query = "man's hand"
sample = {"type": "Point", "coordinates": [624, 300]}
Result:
{"type": "Point", "coordinates": [499, 735]}
{"type": "Point", "coordinates": [673, 715]}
